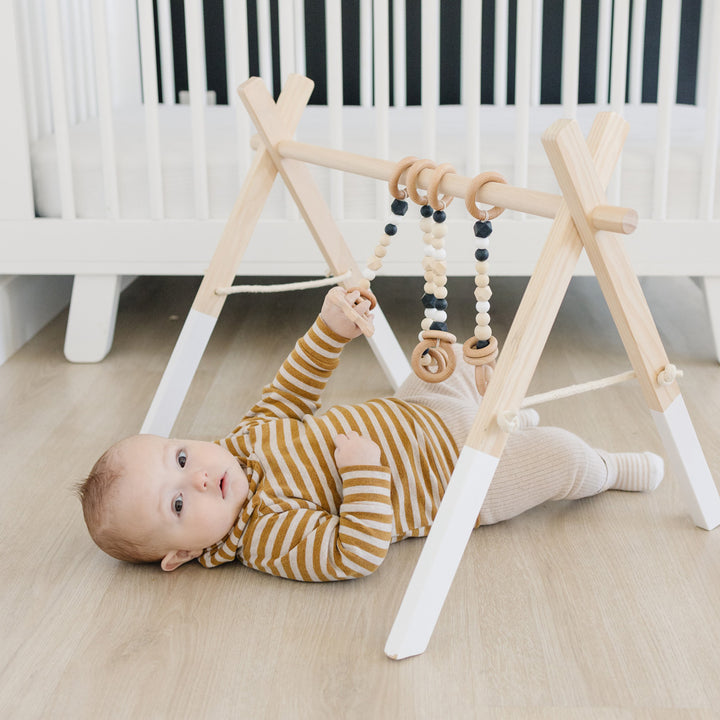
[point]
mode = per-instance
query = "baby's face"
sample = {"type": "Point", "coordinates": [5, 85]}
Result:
{"type": "Point", "coordinates": [181, 494]}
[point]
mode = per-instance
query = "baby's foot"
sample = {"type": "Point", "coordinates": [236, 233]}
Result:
{"type": "Point", "coordinates": [634, 472]}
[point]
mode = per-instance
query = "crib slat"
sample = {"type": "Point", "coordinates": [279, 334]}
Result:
{"type": "Point", "coordinates": [29, 68]}
{"type": "Point", "coordinates": [237, 71]}
{"type": "Point", "coordinates": [618, 82]}
{"type": "Point", "coordinates": [711, 92]}
{"type": "Point", "coordinates": [197, 84]}
{"type": "Point", "coordinates": [107, 131]}
{"type": "Point", "coordinates": [501, 52]}
{"type": "Point", "coordinates": [399, 49]}
{"type": "Point", "coordinates": [570, 58]}
{"type": "Point", "coordinates": [523, 56]}
{"type": "Point", "coordinates": [88, 64]}
{"type": "Point", "coordinates": [470, 74]}
{"type": "Point", "coordinates": [60, 110]}
{"type": "Point", "coordinates": [167, 60]}
{"type": "Point", "coordinates": [381, 64]}
{"type": "Point", "coordinates": [150, 93]}
{"type": "Point", "coordinates": [667, 93]}
{"type": "Point", "coordinates": [537, 20]}
{"type": "Point", "coordinates": [79, 59]}
{"type": "Point", "coordinates": [300, 65]}
{"type": "Point", "coordinates": [430, 72]}
{"type": "Point", "coordinates": [333, 42]}
{"type": "Point", "coordinates": [602, 69]}
{"type": "Point", "coordinates": [366, 52]}
{"type": "Point", "coordinates": [286, 34]}
{"type": "Point", "coordinates": [265, 42]}
{"type": "Point", "coordinates": [637, 49]}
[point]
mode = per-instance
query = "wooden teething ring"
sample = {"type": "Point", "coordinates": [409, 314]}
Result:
{"type": "Point", "coordinates": [366, 294]}
{"type": "Point", "coordinates": [437, 344]}
{"type": "Point", "coordinates": [474, 187]}
{"type": "Point", "coordinates": [411, 180]}
{"type": "Point", "coordinates": [483, 359]}
{"type": "Point", "coordinates": [432, 191]}
{"type": "Point", "coordinates": [394, 180]}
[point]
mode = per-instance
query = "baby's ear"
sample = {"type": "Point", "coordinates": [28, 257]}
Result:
{"type": "Point", "coordinates": [175, 558]}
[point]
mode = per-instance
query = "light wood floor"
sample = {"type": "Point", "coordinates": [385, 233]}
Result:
{"type": "Point", "coordinates": [607, 607]}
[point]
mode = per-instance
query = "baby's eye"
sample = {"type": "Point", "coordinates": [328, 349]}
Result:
{"type": "Point", "coordinates": [182, 458]}
{"type": "Point", "coordinates": [177, 504]}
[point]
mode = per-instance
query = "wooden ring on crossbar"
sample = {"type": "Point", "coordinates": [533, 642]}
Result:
{"type": "Point", "coordinates": [400, 168]}
{"type": "Point", "coordinates": [411, 180]}
{"type": "Point", "coordinates": [472, 190]}
{"type": "Point", "coordinates": [437, 345]}
{"type": "Point", "coordinates": [432, 191]}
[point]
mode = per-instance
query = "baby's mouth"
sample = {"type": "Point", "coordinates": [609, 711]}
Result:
{"type": "Point", "coordinates": [222, 486]}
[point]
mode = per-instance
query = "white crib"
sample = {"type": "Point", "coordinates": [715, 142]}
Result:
{"type": "Point", "coordinates": [102, 182]}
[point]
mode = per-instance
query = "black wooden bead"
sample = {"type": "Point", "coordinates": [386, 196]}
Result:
{"type": "Point", "coordinates": [439, 216]}
{"type": "Point", "coordinates": [482, 229]}
{"type": "Point", "coordinates": [481, 254]}
{"type": "Point", "coordinates": [390, 229]}
{"type": "Point", "coordinates": [399, 207]}
{"type": "Point", "coordinates": [426, 211]}
{"type": "Point", "coordinates": [429, 301]}
{"type": "Point", "coordinates": [441, 304]}
{"type": "Point", "coordinates": [480, 344]}
{"type": "Point", "coordinates": [439, 326]}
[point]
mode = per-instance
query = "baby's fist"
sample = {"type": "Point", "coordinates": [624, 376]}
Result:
{"type": "Point", "coordinates": [347, 312]}
{"type": "Point", "coordinates": [353, 449]}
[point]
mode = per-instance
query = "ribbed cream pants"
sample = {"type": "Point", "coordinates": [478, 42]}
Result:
{"type": "Point", "coordinates": [538, 463]}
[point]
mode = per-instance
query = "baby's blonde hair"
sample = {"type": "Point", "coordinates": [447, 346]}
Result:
{"type": "Point", "coordinates": [94, 493]}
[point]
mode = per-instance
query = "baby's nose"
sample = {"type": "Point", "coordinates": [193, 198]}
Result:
{"type": "Point", "coordinates": [201, 479]}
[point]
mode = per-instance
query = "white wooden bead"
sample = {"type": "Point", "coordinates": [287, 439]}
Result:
{"type": "Point", "coordinates": [483, 333]}
{"type": "Point", "coordinates": [420, 337]}
{"type": "Point", "coordinates": [426, 224]}
{"type": "Point", "coordinates": [440, 254]}
{"type": "Point", "coordinates": [482, 281]}
{"type": "Point", "coordinates": [482, 319]}
{"type": "Point", "coordinates": [482, 243]}
{"type": "Point", "coordinates": [429, 251]}
{"type": "Point", "coordinates": [441, 293]}
{"type": "Point", "coordinates": [482, 306]}
{"type": "Point", "coordinates": [369, 274]}
{"type": "Point", "coordinates": [440, 316]}
{"type": "Point", "coordinates": [439, 230]}
{"type": "Point", "coordinates": [380, 251]}
{"type": "Point", "coordinates": [483, 294]}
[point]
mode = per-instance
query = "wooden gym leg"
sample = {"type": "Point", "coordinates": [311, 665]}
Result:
{"type": "Point", "coordinates": [433, 575]}
{"type": "Point", "coordinates": [314, 210]}
{"type": "Point", "coordinates": [235, 237]}
{"type": "Point", "coordinates": [583, 192]}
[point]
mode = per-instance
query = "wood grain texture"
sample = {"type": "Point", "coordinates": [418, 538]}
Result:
{"type": "Point", "coordinates": [604, 608]}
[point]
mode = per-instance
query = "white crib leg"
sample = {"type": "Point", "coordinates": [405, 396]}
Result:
{"type": "Point", "coordinates": [712, 298]}
{"type": "Point", "coordinates": [179, 373]}
{"type": "Point", "coordinates": [91, 320]}
{"type": "Point", "coordinates": [387, 350]}
{"type": "Point", "coordinates": [688, 463]}
{"type": "Point", "coordinates": [441, 554]}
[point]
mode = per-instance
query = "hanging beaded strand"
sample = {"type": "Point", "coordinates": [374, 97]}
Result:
{"type": "Point", "coordinates": [433, 359]}
{"type": "Point", "coordinates": [398, 208]}
{"type": "Point", "coordinates": [481, 350]}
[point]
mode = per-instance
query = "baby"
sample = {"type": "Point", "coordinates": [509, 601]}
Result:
{"type": "Point", "coordinates": [321, 497]}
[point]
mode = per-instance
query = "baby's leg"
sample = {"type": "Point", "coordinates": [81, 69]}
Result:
{"type": "Point", "coordinates": [541, 464]}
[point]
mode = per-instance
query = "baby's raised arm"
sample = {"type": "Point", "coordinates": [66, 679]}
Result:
{"type": "Point", "coordinates": [347, 312]}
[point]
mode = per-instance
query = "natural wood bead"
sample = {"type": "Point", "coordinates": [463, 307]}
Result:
{"type": "Point", "coordinates": [482, 281]}
{"type": "Point", "coordinates": [481, 268]}
{"type": "Point", "coordinates": [428, 238]}
{"type": "Point", "coordinates": [375, 264]}
{"type": "Point", "coordinates": [439, 230]}
{"type": "Point", "coordinates": [429, 288]}
{"type": "Point", "coordinates": [426, 225]}
{"type": "Point", "coordinates": [483, 293]}
{"type": "Point", "coordinates": [385, 240]}
{"type": "Point", "coordinates": [364, 284]}
{"type": "Point", "coordinates": [440, 266]}
{"type": "Point", "coordinates": [380, 251]}
{"type": "Point", "coordinates": [429, 275]}
{"type": "Point", "coordinates": [482, 319]}
{"type": "Point", "coordinates": [426, 323]}
{"type": "Point", "coordinates": [440, 280]}
{"type": "Point", "coordinates": [441, 293]}
{"type": "Point", "coordinates": [438, 243]}
{"type": "Point", "coordinates": [483, 333]}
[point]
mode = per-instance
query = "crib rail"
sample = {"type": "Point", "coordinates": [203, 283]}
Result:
{"type": "Point", "coordinates": [85, 59]}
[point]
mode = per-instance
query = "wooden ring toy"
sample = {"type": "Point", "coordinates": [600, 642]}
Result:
{"type": "Point", "coordinates": [400, 168]}
{"type": "Point", "coordinates": [438, 345]}
{"type": "Point", "coordinates": [473, 188]}
{"type": "Point", "coordinates": [432, 191]}
{"type": "Point", "coordinates": [411, 180]}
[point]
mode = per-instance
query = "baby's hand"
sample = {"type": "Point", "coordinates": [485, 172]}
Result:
{"type": "Point", "coordinates": [347, 313]}
{"type": "Point", "coordinates": [354, 449]}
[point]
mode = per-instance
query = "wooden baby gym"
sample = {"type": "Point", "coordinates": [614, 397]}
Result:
{"type": "Point", "coordinates": [582, 220]}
